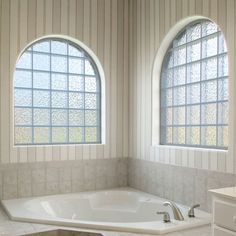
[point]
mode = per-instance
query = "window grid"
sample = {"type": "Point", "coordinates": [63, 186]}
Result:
{"type": "Point", "coordinates": [171, 65]}
{"type": "Point", "coordinates": [95, 112]}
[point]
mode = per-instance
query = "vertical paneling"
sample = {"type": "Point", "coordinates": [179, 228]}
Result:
{"type": "Point", "coordinates": [147, 27]}
{"type": "Point", "coordinates": [101, 25]}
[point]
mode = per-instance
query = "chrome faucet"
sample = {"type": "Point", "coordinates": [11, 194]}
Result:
{"type": "Point", "coordinates": [176, 211]}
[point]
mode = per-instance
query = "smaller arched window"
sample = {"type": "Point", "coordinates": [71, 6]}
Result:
{"type": "Point", "coordinates": [57, 95]}
{"type": "Point", "coordinates": [194, 88]}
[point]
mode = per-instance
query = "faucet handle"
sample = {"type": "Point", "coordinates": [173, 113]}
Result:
{"type": "Point", "coordinates": [166, 216]}
{"type": "Point", "coordinates": [191, 210]}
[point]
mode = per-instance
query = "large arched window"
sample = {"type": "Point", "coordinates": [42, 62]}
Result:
{"type": "Point", "coordinates": [57, 95]}
{"type": "Point", "coordinates": [194, 88]}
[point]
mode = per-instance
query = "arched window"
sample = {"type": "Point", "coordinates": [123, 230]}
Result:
{"type": "Point", "coordinates": [194, 88]}
{"type": "Point", "coordinates": [57, 95]}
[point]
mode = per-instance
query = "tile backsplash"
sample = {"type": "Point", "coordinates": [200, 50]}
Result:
{"type": "Point", "coordinates": [44, 178]}
{"type": "Point", "coordinates": [181, 184]}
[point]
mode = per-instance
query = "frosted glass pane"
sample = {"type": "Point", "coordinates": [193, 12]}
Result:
{"type": "Point", "coordinates": [209, 91]}
{"type": "Point", "coordinates": [23, 97]}
{"type": "Point", "coordinates": [76, 83]}
{"type": "Point", "coordinates": [179, 135]}
{"type": "Point", "coordinates": [76, 65]}
{"type": "Point", "coordinates": [193, 136]}
{"type": "Point", "coordinates": [59, 117]}
{"type": "Point", "coordinates": [23, 79]}
{"type": "Point", "coordinates": [90, 101]}
{"type": "Point", "coordinates": [223, 113]}
{"type": "Point", "coordinates": [75, 52]}
{"type": "Point", "coordinates": [41, 98]}
{"type": "Point", "coordinates": [91, 134]}
{"type": "Point", "coordinates": [167, 78]}
{"type": "Point", "coordinates": [166, 97]}
{"type": "Point", "coordinates": [208, 135]}
{"type": "Point", "coordinates": [41, 62]}
{"type": "Point", "coordinates": [59, 99]}
{"type": "Point", "coordinates": [59, 135]}
{"type": "Point", "coordinates": [194, 32]}
{"type": "Point", "coordinates": [59, 47]}
{"type": "Point", "coordinates": [76, 100]}
{"type": "Point", "coordinates": [76, 117]}
{"type": "Point", "coordinates": [166, 116]}
{"type": "Point", "coordinates": [181, 39]}
{"type": "Point", "coordinates": [179, 96]}
{"type": "Point", "coordinates": [23, 116]}
{"type": "Point", "coordinates": [91, 118]}
{"type": "Point", "coordinates": [179, 116]}
{"type": "Point", "coordinates": [208, 114]}
{"type": "Point", "coordinates": [88, 68]}
{"type": "Point", "coordinates": [222, 43]}
{"type": "Point", "coordinates": [209, 47]}
{"type": "Point", "coordinates": [193, 94]}
{"type": "Point", "coordinates": [90, 84]}
{"type": "Point", "coordinates": [41, 117]}
{"type": "Point", "coordinates": [223, 136]}
{"type": "Point", "coordinates": [41, 80]}
{"type": "Point", "coordinates": [193, 72]}
{"type": "Point", "coordinates": [209, 69]}
{"type": "Point", "coordinates": [25, 61]}
{"type": "Point", "coordinates": [169, 135]}
{"type": "Point", "coordinates": [42, 47]}
{"type": "Point", "coordinates": [179, 56]}
{"type": "Point", "coordinates": [179, 76]}
{"type": "Point", "coordinates": [223, 90]}
{"type": "Point", "coordinates": [194, 52]}
{"type": "Point", "coordinates": [208, 28]}
{"type": "Point", "coordinates": [223, 66]}
{"type": "Point", "coordinates": [41, 135]}
{"type": "Point", "coordinates": [193, 115]}
{"type": "Point", "coordinates": [59, 64]}
{"type": "Point", "coordinates": [23, 135]}
{"type": "Point", "coordinates": [76, 134]}
{"type": "Point", "coordinates": [59, 81]}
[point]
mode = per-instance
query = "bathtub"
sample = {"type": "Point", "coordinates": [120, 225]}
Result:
{"type": "Point", "coordinates": [117, 209]}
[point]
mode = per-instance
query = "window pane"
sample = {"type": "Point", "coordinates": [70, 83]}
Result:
{"type": "Point", "coordinates": [208, 28]}
{"type": "Point", "coordinates": [41, 135]}
{"type": "Point", "coordinates": [75, 52]}
{"type": "Point", "coordinates": [179, 116]}
{"type": "Point", "coordinates": [59, 117]}
{"type": "Point", "coordinates": [179, 56]}
{"type": "Point", "coordinates": [59, 135]}
{"type": "Point", "coordinates": [223, 66]}
{"type": "Point", "coordinates": [193, 115]}
{"type": "Point", "coordinates": [194, 32]}
{"type": "Point", "coordinates": [41, 117]}
{"type": "Point", "coordinates": [88, 68]}
{"type": "Point", "coordinates": [23, 116]}
{"type": "Point", "coordinates": [59, 64]}
{"type": "Point", "coordinates": [76, 83]}
{"type": "Point", "coordinates": [41, 62]}
{"type": "Point", "coordinates": [208, 135]}
{"type": "Point", "coordinates": [193, 94]}
{"type": "Point", "coordinates": [76, 65]}
{"type": "Point", "coordinates": [91, 118]}
{"type": "Point", "coordinates": [193, 136]}
{"type": "Point", "coordinates": [179, 75]}
{"type": "Point", "coordinates": [23, 97]}
{"type": "Point", "coordinates": [59, 81]}
{"type": "Point", "coordinates": [223, 113]}
{"type": "Point", "coordinates": [209, 91]}
{"type": "Point", "coordinates": [223, 90]}
{"type": "Point", "coordinates": [42, 47]}
{"type": "Point", "coordinates": [194, 52]}
{"type": "Point", "coordinates": [23, 79]}
{"type": "Point", "coordinates": [193, 72]}
{"type": "Point", "coordinates": [90, 101]}
{"type": "Point", "coordinates": [91, 134]}
{"type": "Point", "coordinates": [41, 80]}
{"type": "Point", "coordinates": [208, 113]}
{"type": "Point", "coordinates": [59, 99]}
{"type": "Point", "coordinates": [59, 47]}
{"type": "Point", "coordinates": [90, 84]}
{"type": "Point", "coordinates": [76, 117]}
{"type": "Point", "coordinates": [41, 98]}
{"type": "Point", "coordinates": [23, 135]}
{"type": "Point", "coordinates": [209, 47]}
{"type": "Point", "coordinates": [179, 96]}
{"type": "Point", "coordinates": [209, 69]}
{"type": "Point", "coordinates": [76, 134]}
{"type": "Point", "coordinates": [223, 136]}
{"type": "Point", "coordinates": [25, 61]}
{"type": "Point", "coordinates": [76, 100]}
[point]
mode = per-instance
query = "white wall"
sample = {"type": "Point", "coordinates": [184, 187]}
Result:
{"type": "Point", "coordinates": [151, 21]}
{"type": "Point", "coordinates": [100, 24]}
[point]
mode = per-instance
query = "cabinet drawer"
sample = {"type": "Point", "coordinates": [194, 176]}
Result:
{"type": "Point", "coordinates": [222, 232]}
{"type": "Point", "coordinates": [225, 215]}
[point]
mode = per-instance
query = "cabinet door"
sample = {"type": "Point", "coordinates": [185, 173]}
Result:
{"type": "Point", "coordinates": [222, 232]}
{"type": "Point", "coordinates": [225, 215]}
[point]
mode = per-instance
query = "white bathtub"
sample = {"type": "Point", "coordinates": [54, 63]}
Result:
{"type": "Point", "coordinates": [118, 209]}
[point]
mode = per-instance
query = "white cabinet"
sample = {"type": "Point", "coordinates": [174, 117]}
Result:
{"type": "Point", "coordinates": [224, 212]}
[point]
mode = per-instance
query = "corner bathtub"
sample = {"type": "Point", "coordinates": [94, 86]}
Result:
{"type": "Point", "coordinates": [118, 209]}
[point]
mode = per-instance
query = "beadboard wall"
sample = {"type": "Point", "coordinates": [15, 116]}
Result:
{"type": "Point", "coordinates": [150, 21]}
{"type": "Point", "coordinates": [101, 25]}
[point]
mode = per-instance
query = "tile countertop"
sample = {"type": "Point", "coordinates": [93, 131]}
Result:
{"type": "Point", "coordinates": [229, 193]}
{"type": "Point", "coordinates": [13, 228]}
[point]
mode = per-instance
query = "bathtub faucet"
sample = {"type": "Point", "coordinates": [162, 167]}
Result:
{"type": "Point", "coordinates": [176, 211]}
